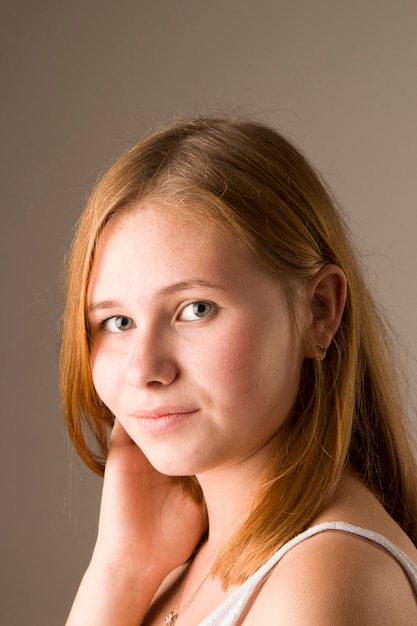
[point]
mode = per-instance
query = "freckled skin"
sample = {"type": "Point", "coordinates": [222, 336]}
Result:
{"type": "Point", "coordinates": [233, 363]}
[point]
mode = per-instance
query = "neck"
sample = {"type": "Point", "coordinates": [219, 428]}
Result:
{"type": "Point", "coordinates": [229, 490]}
{"type": "Point", "coordinates": [228, 496]}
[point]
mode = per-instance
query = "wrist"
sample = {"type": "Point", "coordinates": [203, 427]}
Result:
{"type": "Point", "coordinates": [113, 594]}
{"type": "Point", "coordinates": [134, 574]}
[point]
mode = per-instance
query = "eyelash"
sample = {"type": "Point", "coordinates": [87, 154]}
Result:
{"type": "Point", "coordinates": [104, 324]}
{"type": "Point", "coordinates": [198, 303]}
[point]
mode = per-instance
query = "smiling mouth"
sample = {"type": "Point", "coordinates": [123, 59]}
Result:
{"type": "Point", "coordinates": [163, 419]}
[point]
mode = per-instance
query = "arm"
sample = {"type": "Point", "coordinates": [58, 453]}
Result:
{"type": "Point", "coordinates": [147, 528]}
{"type": "Point", "coordinates": [107, 597]}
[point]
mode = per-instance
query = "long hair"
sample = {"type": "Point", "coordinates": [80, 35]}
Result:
{"type": "Point", "coordinates": [350, 412]}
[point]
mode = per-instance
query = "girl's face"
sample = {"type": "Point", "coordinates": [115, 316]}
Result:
{"type": "Point", "coordinates": [193, 348]}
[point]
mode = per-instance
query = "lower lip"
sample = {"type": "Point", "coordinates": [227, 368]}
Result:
{"type": "Point", "coordinates": [165, 423]}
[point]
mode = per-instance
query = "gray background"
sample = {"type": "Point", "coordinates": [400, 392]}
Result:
{"type": "Point", "coordinates": [81, 81]}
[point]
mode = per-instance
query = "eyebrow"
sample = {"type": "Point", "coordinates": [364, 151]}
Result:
{"type": "Point", "coordinates": [102, 304]}
{"type": "Point", "coordinates": [170, 289]}
{"type": "Point", "coordinates": [188, 284]}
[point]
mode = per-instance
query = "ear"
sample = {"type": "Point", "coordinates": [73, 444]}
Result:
{"type": "Point", "coordinates": [326, 294]}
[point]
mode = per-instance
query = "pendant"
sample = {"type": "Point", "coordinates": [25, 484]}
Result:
{"type": "Point", "coordinates": [171, 618]}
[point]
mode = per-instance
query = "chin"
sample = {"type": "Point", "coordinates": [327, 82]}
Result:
{"type": "Point", "coordinates": [178, 466]}
{"type": "Point", "coordinates": [173, 466]}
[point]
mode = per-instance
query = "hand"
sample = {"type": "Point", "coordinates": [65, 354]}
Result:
{"type": "Point", "coordinates": [148, 527]}
{"type": "Point", "coordinates": [147, 522]}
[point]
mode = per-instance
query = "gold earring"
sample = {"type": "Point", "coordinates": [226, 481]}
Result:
{"type": "Point", "coordinates": [321, 352]}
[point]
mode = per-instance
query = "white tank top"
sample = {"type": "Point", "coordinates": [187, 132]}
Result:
{"type": "Point", "coordinates": [228, 613]}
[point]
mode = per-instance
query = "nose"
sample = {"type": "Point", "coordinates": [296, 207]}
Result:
{"type": "Point", "coordinates": [151, 360]}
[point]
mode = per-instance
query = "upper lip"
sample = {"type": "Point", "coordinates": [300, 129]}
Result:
{"type": "Point", "coordinates": [162, 411]}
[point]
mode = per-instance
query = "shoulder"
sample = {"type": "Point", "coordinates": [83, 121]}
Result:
{"type": "Point", "coordinates": [338, 579]}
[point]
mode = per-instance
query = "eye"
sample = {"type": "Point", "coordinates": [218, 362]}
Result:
{"type": "Point", "coordinates": [196, 310]}
{"type": "Point", "coordinates": [118, 324]}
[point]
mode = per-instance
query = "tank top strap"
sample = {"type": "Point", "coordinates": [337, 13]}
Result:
{"type": "Point", "coordinates": [228, 613]}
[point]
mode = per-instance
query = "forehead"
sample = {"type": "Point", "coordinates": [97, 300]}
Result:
{"type": "Point", "coordinates": [167, 225]}
{"type": "Point", "coordinates": [159, 242]}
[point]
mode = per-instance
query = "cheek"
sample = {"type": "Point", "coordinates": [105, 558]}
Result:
{"type": "Point", "coordinates": [232, 366]}
{"type": "Point", "coordinates": [264, 370]}
{"type": "Point", "coordinates": [226, 355]}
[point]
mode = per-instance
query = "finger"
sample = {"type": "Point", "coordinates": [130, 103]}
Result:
{"type": "Point", "coordinates": [124, 453]}
{"type": "Point", "coordinates": [119, 436]}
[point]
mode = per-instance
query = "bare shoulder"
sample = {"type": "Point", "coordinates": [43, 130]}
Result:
{"type": "Point", "coordinates": [338, 579]}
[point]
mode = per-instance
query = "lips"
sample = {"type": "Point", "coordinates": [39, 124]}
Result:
{"type": "Point", "coordinates": [163, 418]}
{"type": "Point", "coordinates": [162, 411]}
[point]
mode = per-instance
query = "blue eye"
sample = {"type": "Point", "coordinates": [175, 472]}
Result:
{"type": "Point", "coordinates": [196, 310]}
{"type": "Point", "coordinates": [118, 324]}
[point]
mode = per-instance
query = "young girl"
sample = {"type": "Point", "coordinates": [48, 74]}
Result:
{"type": "Point", "coordinates": [259, 469]}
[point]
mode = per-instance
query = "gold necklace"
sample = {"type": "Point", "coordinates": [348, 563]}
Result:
{"type": "Point", "coordinates": [172, 616]}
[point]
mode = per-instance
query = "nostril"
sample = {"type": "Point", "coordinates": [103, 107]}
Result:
{"type": "Point", "coordinates": [152, 369]}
